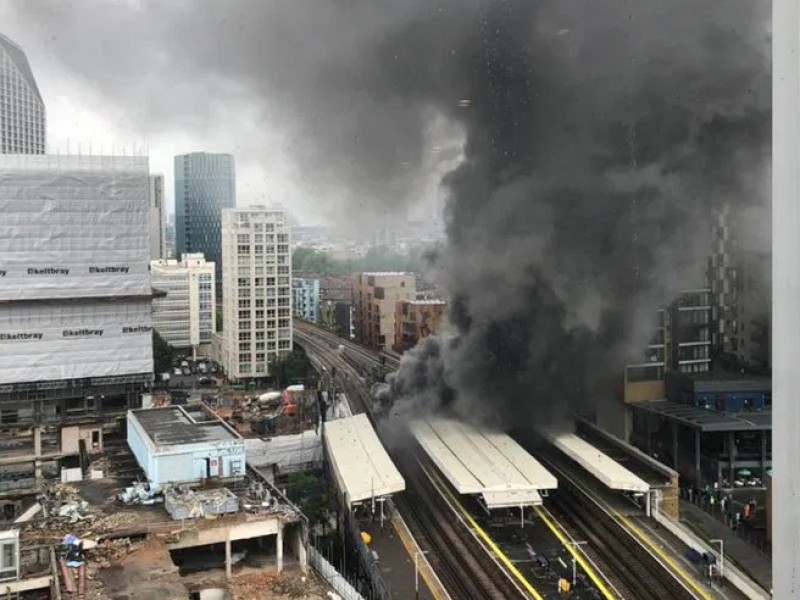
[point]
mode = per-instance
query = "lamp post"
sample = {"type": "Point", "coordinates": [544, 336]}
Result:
{"type": "Point", "coordinates": [721, 556]}
{"type": "Point", "coordinates": [575, 559]}
{"type": "Point", "coordinates": [416, 572]}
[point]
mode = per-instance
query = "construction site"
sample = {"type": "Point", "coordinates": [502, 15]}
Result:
{"type": "Point", "coordinates": [169, 507]}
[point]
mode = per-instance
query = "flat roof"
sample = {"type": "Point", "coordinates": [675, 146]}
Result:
{"type": "Point", "coordinates": [724, 381]}
{"type": "Point", "coordinates": [176, 425]}
{"type": "Point", "coordinates": [706, 419]}
{"type": "Point", "coordinates": [483, 461]}
{"type": "Point", "coordinates": [361, 464]}
{"type": "Point", "coordinates": [612, 474]}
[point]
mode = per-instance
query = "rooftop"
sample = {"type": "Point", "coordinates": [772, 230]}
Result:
{"type": "Point", "coordinates": [726, 381]}
{"type": "Point", "coordinates": [386, 273]}
{"type": "Point", "coordinates": [485, 462]}
{"type": "Point", "coordinates": [361, 464]}
{"type": "Point", "coordinates": [177, 425]}
{"type": "Point", "coordinates": [704, 419]}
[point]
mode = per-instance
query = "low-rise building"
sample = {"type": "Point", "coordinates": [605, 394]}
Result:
{"type": "Point", "coordinates": [375, 295]}
{"type": "Point", "coordinates": [178, 444]}
{"type": "Point", "coordinates": [185, 316]}
{"type": "Point", "coordinates": [305, 298]}
{"type": "Point", "coordinates": [416, 319]}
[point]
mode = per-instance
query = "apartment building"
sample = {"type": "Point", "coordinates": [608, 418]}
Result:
{"type": "Point", "coordinates": [157, 249]}
{"type": "Point", "coordinates": [305, 298]}
{"type": "Point", "coordinates": [375, 297]}
{"type": "Point", "coordinates": [186, 315]}
{"type": "Point", "coordinates": [415, 320]}
{"type": "Point", "coordinates": [257, 279]}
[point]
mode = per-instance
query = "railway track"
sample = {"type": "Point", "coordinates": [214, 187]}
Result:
{"type": "Point", "coordinates": [628, 566]}
{"type": "Point", "coordinates": [454, 553]}
{"type": "Point", "coordinates": [631, 569]}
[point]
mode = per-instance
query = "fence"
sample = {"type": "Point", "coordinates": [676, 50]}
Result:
{"type": "Point", "coordinates": [332, 576]}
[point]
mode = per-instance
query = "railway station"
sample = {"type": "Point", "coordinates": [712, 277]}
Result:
{"type": "Point", "coordinates": [484, 463]}
{"type": "Point", "coordinates": [609, 472]}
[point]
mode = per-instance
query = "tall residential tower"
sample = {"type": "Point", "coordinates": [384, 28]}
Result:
{"type": "Point", "coordinates": [22, 114]}
{"type": "Point", "coordinates": [257, 304]}
{"type": "Point", "coordinates": [205, 184]}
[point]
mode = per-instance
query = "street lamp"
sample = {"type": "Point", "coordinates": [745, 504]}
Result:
{"type": "Point", "coordinates": [416, 571]}
{"type": "Point", "coordinates": [575, 559]}
{"type": "Point", "coordinates": [721, 556]}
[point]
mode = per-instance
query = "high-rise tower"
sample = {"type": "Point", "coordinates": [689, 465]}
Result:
{"type": "Point", "coordinates": [204, 185]}
{"type": "Point", "coordinates": [22, 113]}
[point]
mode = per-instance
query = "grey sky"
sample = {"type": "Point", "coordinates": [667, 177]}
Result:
{"type": "Point", "coordinates": [243, 77]}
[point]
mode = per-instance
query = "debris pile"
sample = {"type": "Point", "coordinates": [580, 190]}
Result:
{"type": "Point", "coordinates": [268, 585]}
{"type": "Point", "coordinates": [183, 503]}
{"type": "Point", "coordinates": [143, 493]}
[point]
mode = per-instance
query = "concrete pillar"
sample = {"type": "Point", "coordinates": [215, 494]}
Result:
{"type": "Point", "coordinates": [228, 573]}
{"type": "Point", "coordinates": [785, 291]}
{"type": "Point", "coordinates": [697, 455]}
{"type": "Point", "coordinates": [675, 445]}
{"type": "Point", "coordinates": [37, 451]}
{"type": "Point", "coordinates": [731, 457]}
{"type": "Point", "coordinates": [279, 548]}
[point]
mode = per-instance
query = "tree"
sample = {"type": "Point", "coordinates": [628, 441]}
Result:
{"type": "Point", "coordinates": [163, 354]}
{"type": "Point", "coordinates": [290, 367]}
{"type": "Point", "coordinates": [308, 494]}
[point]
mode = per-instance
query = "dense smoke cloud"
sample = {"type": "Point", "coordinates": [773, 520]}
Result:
{"type": "Point", "coordinates": [600, 138]}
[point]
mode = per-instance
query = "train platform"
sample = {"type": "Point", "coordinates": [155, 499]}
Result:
{"type": "Point", "coordinates": [748, 558]}
{"type": "Point", "coordinates": [396, 551]}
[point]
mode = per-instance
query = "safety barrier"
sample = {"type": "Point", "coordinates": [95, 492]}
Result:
{"type": "Point", "coordinates": [332, 576]}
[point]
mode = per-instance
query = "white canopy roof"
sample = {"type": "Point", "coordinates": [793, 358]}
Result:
{"type": "Point", "coordinates": [612, 474]}
{"type": "Point", "coordinates": [360, 463]}
{"type": "Point", "coordinates": [483, 461]}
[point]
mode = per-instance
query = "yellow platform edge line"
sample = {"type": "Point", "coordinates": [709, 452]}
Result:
{"type": "Point", "coordinates": [485, 537]}
{"type": "Point", "coordinates": [576, 555]}
{"type": "Point", "coordinates": [425, 570]}
{"type": "Point", "coordinates": [672, 564]}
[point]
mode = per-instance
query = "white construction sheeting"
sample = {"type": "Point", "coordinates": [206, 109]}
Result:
{"type": "Point", "coordinates": [485, 462]}
{"type": "Point", "coordinates": [54, 340]}
{"type": "Point", "coordinates": [73, 226]}
{"type": "Point", "coordinates": [612, 474]}
{"type": "Point", "coordinates": [288, 452]}
{"type": "Point", "coordinates": [360, 463]}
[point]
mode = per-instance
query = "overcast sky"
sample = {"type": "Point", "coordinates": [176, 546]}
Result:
{"type": "Point", "coordinates": [117, 74]}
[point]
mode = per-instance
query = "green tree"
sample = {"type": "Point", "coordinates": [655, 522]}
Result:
{"type": "Point", "coordinates": [163, 354]}
{"type": "Point", "coordinates": [292, 366]}
{"type": "Point", "coordinates": [308, 494]}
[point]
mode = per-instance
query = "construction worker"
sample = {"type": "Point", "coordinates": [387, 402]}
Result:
{"type": "Point", "coordinates": [74, 566]}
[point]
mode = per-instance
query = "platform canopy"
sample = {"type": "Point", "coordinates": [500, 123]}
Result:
{"type": "Point", "coordinates": [483, 462]}
{"type": "Point", "coordinates": [360, 463]}
{"type": "Point", "coordinates": [612, 474]}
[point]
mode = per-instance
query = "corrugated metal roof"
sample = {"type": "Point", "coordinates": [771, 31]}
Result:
{"type": "Point", "coordinates": [612, 474]}
{"type": "Point", "coordinates": [484, 462]}
{"type": "Point", "coordinates": [361, 464]}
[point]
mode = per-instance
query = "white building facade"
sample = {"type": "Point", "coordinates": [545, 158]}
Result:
{"type": "Point", "coordinates": [305, 298]}
{"type": "Point", "coordinates": [257, 279]}
{"type": "Point", "coordinates": [186, 315]}
{"type": "Point", "coordinates": [74, 280]}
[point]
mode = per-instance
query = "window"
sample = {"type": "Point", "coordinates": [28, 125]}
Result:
{"type": "Point", "coordinates": [9, 556]}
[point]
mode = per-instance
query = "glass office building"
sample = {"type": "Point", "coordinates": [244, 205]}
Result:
{"type": "Point", "coordinates": [22, 114]}
{"type": "Point", "coordinates": [204, 185]}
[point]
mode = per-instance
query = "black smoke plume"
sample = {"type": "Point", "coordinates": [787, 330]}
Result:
{"type": "Point", "coordinates": [600, 137]}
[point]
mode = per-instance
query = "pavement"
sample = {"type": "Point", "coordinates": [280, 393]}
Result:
{"type": "Point", "coordinates": [395, 562]}
{"type": "Point", "coordinates": [748, 558]}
